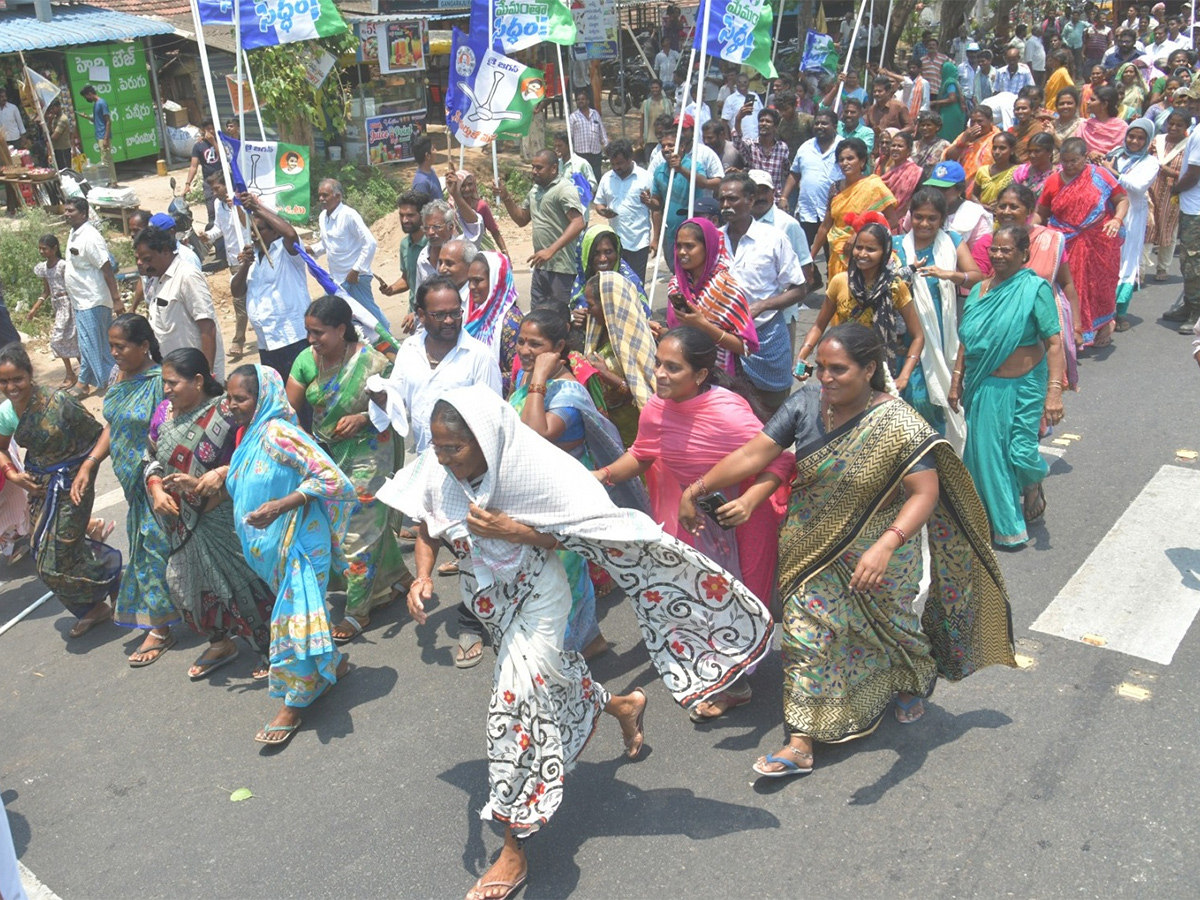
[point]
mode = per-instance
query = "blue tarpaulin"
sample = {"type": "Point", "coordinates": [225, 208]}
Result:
{"type": "Point", "coordinates": [72, 27]}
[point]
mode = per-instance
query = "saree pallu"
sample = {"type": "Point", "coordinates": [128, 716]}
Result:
{"type": "Point", "coordinates": [1079, 209]}
{"type": "Point", "coordinates": [929, 155]}
{"type": "Point", "coordinates": [903, 181]}
{"type": "Point", "coordinates": [847, 652]}
{"type": "Point", "coordinates": [988, 186]}
{"type": "Point", "coordinates": [1046, 249]}
{"type": "Point", "coordinates": [57, 434]}
{"type": "Point", "coordinates": [868, 194]}
{"type": "Point", "coordinates": [1166, 213]}
{"type": "Point", "coordinates": [1024, 136]}
{"type": "Point", "coordinates": [143, 600]}
{"type": "Point", "coordinates": [1004, 415]}
{"type": "Point", "coordinates": [368, 458]}
{"type": "Point", "coordinates": [723, 303]}
{"type": "Point", "coordinates": [295, 553]}
{"type": "Point", "coordinates": [1057, 80]}
{"type": "Point", "coordinates": [977, 154]}
{"type": "Point", "coordinates": [1103, 137]}
{"type": "Point", "coordinates": [209, 579]}
{"type": "Point", "coordinates": [1034, 180]}
{"type": "Point", "coordinates": [584, 270]}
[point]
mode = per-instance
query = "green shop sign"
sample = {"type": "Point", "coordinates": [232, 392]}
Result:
{"type": "Point", "coordinates": [122, 80]}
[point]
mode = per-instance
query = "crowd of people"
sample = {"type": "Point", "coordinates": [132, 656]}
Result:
{"type": "Point", "coordinates": [711, 465]}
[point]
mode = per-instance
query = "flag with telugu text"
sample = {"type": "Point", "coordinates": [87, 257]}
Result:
{"type": "Point", "coordinates": [739, 31]}
{"type": "Point", "coordinates": [489, 94]}
{"type": "Point", "coordinates": [521, 23]}
{"type": "Point", "coordinates": [820, 54]}
{"type": "Point", "coordinates": [267, 23]}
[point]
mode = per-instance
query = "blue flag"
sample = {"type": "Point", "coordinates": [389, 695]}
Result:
{"type": "Point", "coordinates": [739, 31]}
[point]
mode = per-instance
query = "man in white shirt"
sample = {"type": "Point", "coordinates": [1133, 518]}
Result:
{"type": "Point", "coordinates": [734, 103]}
{"type": "Point", "coordinates": [439, 357]}
{"type": "Point", "coordinates": [275, 285]}
{"type": "Point", "coordinates": [453, 262]}
{"type": "Point", "coordinates": [1035, 56]}
{"type": "Point", "coordinates": [814, 171]}
{"type": "Point", "coordinates": [11, 123]}
{"type": "Point", "coordinates": [768, 213]}
{"type": "Point", "coordinates": [1187, 189]}
{"type": "Point", "coordinates": [233, 240]}
{"type": "Point", "coordinates": [92, 287]}
{"type": "Point", "coordinates": [619, 199]}
{"type": "Point", "coordinates": [665, 63]}
{"type": "Point", "coordinates": [179, 305]}
{"type": "Point", "coordinates": [766, 268]}
{"type": "Point", "coordinates": [441, 225]}
{"type": "Point", "coordinates": [349, 245]}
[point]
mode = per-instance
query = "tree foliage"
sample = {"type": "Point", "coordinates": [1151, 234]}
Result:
{"type": "Point", "coordinates": [286, 98]}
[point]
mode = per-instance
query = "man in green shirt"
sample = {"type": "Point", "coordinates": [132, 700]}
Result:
{"type": "Point", "coordinates": [554, 208]}
{"type": "Point", "coordinates": [410, 204]}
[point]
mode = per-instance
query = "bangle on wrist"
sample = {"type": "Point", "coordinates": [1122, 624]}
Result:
{"type": "Point", "coordinates": [899, 532]}
{"type": "Point", "coordinates": [607, 475]}
{"type": "Point", "coordinates": [537, 389]}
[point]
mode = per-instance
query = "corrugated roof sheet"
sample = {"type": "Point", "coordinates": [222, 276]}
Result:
{"type": "Point", "coordinates": [72, 27]}
{"type": "Point", "coordinates": [159, 8]}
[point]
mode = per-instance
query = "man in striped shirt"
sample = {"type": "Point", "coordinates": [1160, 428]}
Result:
{"type": "Point", "coordinates": [768, 153]}
{"type": "Point", "coordinates": [587, 131]}
{"type": "Point", "coordinates": [931, 65]}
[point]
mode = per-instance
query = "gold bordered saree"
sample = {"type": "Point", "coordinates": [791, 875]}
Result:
{"type": "Point", "coordinates": [846, 652]}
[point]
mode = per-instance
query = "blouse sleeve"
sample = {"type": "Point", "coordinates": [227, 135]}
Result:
{"type": "Point", "coordinates": [901, 295]}
{"type": "Point", "coordinates": [489, 220]}
{"type": "Point", "coordinates": [8, 419]}
{"type": "Point", "coordinates": [796, 421]}
{"type": "Point", "coordinates": [1045, 312]}
{"type": "Point", "coordinates": [1049, 190]}
{"type": "Point", "coordinates": [304, 369]}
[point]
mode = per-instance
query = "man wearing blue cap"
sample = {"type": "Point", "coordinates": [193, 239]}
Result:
{"type": "Point", "coordinates": [964, 217]}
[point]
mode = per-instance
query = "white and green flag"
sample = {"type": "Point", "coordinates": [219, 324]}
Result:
{"type": "Point", "coordinates": [517, 24]}
{"type": "Point", "coordinates": [489, 94]}
{"type": "Point", "coordinates": [266, 23]}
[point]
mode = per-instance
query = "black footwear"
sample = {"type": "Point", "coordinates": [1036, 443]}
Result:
{"type": "Point", "coordinates": [1189, 324]}
{"type": "Point", "coordinates": [1178, 312]}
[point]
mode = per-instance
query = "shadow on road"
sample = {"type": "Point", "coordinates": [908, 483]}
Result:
{"type": "Point", "coordinates": [16, 823]}
{"type": "Point", "coordinates": [1187, 561]}
{"type": "Point", "coordinates": [617, 809]}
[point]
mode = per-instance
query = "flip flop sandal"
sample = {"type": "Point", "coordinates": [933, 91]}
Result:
{"type": "Point", "coordinates": [480, 889]}
{"type": "Point", "coordinates": [445, 570]}
{"type": "Point", "coordinates": [466, 642]}
{"type": "Point", "coordinates": [728, 698]}
{"type": "Point", "coordinates": [407, 536]}
{"type": "Point", "coordinates": [208, 666]}
{"type": "Point", "coordinates": [901, 706]}
{"type": "Point", "coordinates": [288, 732]}
{"type": "Point", "coordinates": [789, 769]}
{"type": "Point", "coordinates": [83, 626]}
{"type": "Point", "coordinates": [640, 726]}
{"type": "Point", "coordinates": [158, 650]}
{"type": "Point", "coordinates": [1122, 325]}
{"type": "Point", "coordinates": [352, 622]}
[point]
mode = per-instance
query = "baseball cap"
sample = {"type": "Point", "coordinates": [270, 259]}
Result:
{"type": "Point", "coordinates": [946, 174]}
{"type": "Point", "coordinates": [705, 206]}
{"type": "Point", "coordinates": [163, 221]}
{"type": "Point", "coordinates": [688, 121]}
{"type": "Point", "coordinates": [761, 177]}
{"type": "Point", "coordinates": [972, 46]}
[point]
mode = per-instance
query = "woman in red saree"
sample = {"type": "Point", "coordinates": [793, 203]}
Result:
{"type": "Point", "coordinates": [1089, 207]}
{"type": "Point", "coordinates": [900, 173]}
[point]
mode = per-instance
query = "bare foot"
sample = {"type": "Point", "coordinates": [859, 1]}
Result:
{"type": "Point", "coordinates": [599, 644]}
{"type": "Point", "coordinates": [509, 870]}
{"type": "Point", "coordinates": [630, 711]}
{"type": "Point", "coordinates": [154, 646]}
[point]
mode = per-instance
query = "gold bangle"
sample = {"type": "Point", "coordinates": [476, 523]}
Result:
{"type": "Point", "coordinates": [537, 389]}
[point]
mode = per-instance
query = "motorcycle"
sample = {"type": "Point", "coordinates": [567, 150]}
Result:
{"type": "Point", "coordinates": [179, 210]}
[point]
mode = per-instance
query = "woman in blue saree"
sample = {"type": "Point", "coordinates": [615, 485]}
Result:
{"type": "Point", "coordinates": [291, 507]}
{"type": "Point", "coordinates": [143, 600]}
{"type": "Point", "coordinates": [1008, 376]}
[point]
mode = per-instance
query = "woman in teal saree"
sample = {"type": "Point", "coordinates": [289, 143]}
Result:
{"type": "Point", "coordinates": [292, 508]}
{"type": "Point", "coordinates": [1008, 377]}
{"type": "Point", "coordinates": [331, 376]}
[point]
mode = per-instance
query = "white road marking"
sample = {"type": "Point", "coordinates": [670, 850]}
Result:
{"type": "Point", "coordinates": [1058, 452]}
{"type": "Point", "coordinates": [106, 500]}
{"type": "Point", "coordinates": [34, 888]}
{"type": "Point", "coordinates": [1139, 589]}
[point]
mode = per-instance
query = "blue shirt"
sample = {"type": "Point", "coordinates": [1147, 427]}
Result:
{"type": "Point", "coordinates": [100, 118]}
{"type": "Point", "coordinates": [428, 183]}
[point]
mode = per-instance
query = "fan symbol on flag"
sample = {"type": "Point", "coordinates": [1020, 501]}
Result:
{"type": "Point", "coordinates": [480, 109]}
{"type": "Point", "coordinates": [267, 191]}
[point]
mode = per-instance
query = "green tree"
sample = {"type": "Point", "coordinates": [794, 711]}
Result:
{"type": "Point", "coordinates": [286, 98]}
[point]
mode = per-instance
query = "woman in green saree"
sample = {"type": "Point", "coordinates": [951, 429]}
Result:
{"type": "Point", "coordinates": [143, 601]}
{"type": "Point", "coordinates": [1009, 376]}
{"type": "Point", "coordinates": [58, 435]}
{"type": "Point", "coordinates": [190, 444]}
{"type": "Point", "coordinates": [331, 376]}
{"type": "Point", "coordinates": [870, 474]}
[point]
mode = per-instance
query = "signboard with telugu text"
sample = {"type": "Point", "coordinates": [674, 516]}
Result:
{"type": "Point", "coordinates": [121, 79]}
{"type": "Point", "coordinates": [390, 138]}
{"type": "Point", "coordinates": [596, 27]}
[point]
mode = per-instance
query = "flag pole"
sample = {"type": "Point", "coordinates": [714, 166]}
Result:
{"type": "Point", "coordinates": [837, 101]}
{"type": "Point", "coordinates": [887, 32]}
{"type": "Point", "coordinates": [239, 54]}
{"type": "Point", "coordinates": [870, 29]}
{"type": "Point", "coordinates": [491, 45]}
{"type": "Point", "coordinates": [562, 78]}
{"type": "Point", "coordinates": [779, 30]}
{"type": "Point", "coordinates": [705, 8]}
{"type": "Point", "coordinates": [212, 103]}
{"type": "Point", "coordinates": [662, 229]}
{"type": "Point", "coordinates": [262, 132]}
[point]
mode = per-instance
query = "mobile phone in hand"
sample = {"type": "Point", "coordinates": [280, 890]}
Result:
{"type": "Point", "coordinates": [711, 504]}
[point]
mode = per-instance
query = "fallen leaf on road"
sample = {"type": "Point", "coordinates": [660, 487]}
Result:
{"type": "Point", "coordinates": [240, 794]}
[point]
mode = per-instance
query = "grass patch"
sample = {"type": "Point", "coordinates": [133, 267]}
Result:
{"type": "Point", "coordinates": [372, 191]}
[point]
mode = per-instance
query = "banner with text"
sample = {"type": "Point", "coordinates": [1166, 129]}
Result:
{"type": "Point", "coordinates": [390, 138]}
{"type": "Point", "coordinates": [596, 27]}
{"type": "Point", "coordinates": [521, 23]}
{"type": "Point", "coordinates": [739, 31]}
{"type": "Point", "coordinates": [278, 174]}
{"type": "Point", "coordinates": [123, 82]}
{"type": "Point", "coordinates": [489, 94]}
{"type": "Point", "coordinates": [267, 23]}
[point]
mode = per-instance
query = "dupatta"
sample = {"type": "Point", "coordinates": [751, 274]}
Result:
{"type": "Point", "coordinates": [1103, 137]}
{"type": "Point", "coordinates": [993, 323]}
{"type": "Point", "coordinates": [978, 154]}
{"type": "Point", "coordinates": [485, 322]}
{"type": "Point", "coordinates": [629, 334]}
{"type": "Point", "coordinates": [848, 475]}
{"type": "Point", "coordinates": [937, 360]}
{"type": "Point", "coordinates": [583, 265]}
{"type": "Point", "coordinates": [902, 181]}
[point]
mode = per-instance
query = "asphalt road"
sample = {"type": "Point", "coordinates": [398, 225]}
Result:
{"type": "Point", "coordinates": [1043, 781]}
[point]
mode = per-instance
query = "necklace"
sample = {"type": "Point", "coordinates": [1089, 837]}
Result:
{"type": "Point", "coordinates": [829, 411]}
{"type": "Point", "coordinates": [324, 370]}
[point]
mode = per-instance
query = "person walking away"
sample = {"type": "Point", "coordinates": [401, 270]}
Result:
{"type": "Point", "coordinates": [556, 213]}
{"type": "Point", "coordinates": [92, 287]}
{"type": "Point", "coordinates": [349, 244]}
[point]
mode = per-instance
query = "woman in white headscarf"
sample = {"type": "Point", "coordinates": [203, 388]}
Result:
{"type": "Point", "coordinates": [503, 498]}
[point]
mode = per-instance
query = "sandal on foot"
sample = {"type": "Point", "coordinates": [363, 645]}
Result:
{"type": "Point", "coordinates": [407, 536]}
{"type": "Point", "coordinates": [208, 666]}
{"type": "Point", "coordinates": [633, 746]}
{"type": "Point", "coordinates": [479, 892]}
{"type": "Point", "coordinates": [466, 641]}
{"type": "Point", "coordinates": [287, 732]}
{"type": "Point", "coordinates": [351, 622]}
{"type": "Point", "coordinates": [165, 643]}
{"type": "Point", "coordinates": [789, 769]}
{"type": "Point", "coordinates": [84, 625]}
{"type": "Point", "coordinates": [723, 702]}
{"type": "Point", "coordinates": [1121, 324]}
{"type": "Point", "coordinates": [902, 707]}
{"type": "Point", "coordinates": [447, 569]}
{"type": "Point", "coordinates": [1034, 505]}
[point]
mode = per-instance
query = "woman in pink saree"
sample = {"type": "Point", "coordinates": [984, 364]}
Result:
{"type": "Point", "coordinates": [1105, 130]}
{"type": "Point", "coordinates": [689, 425]}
